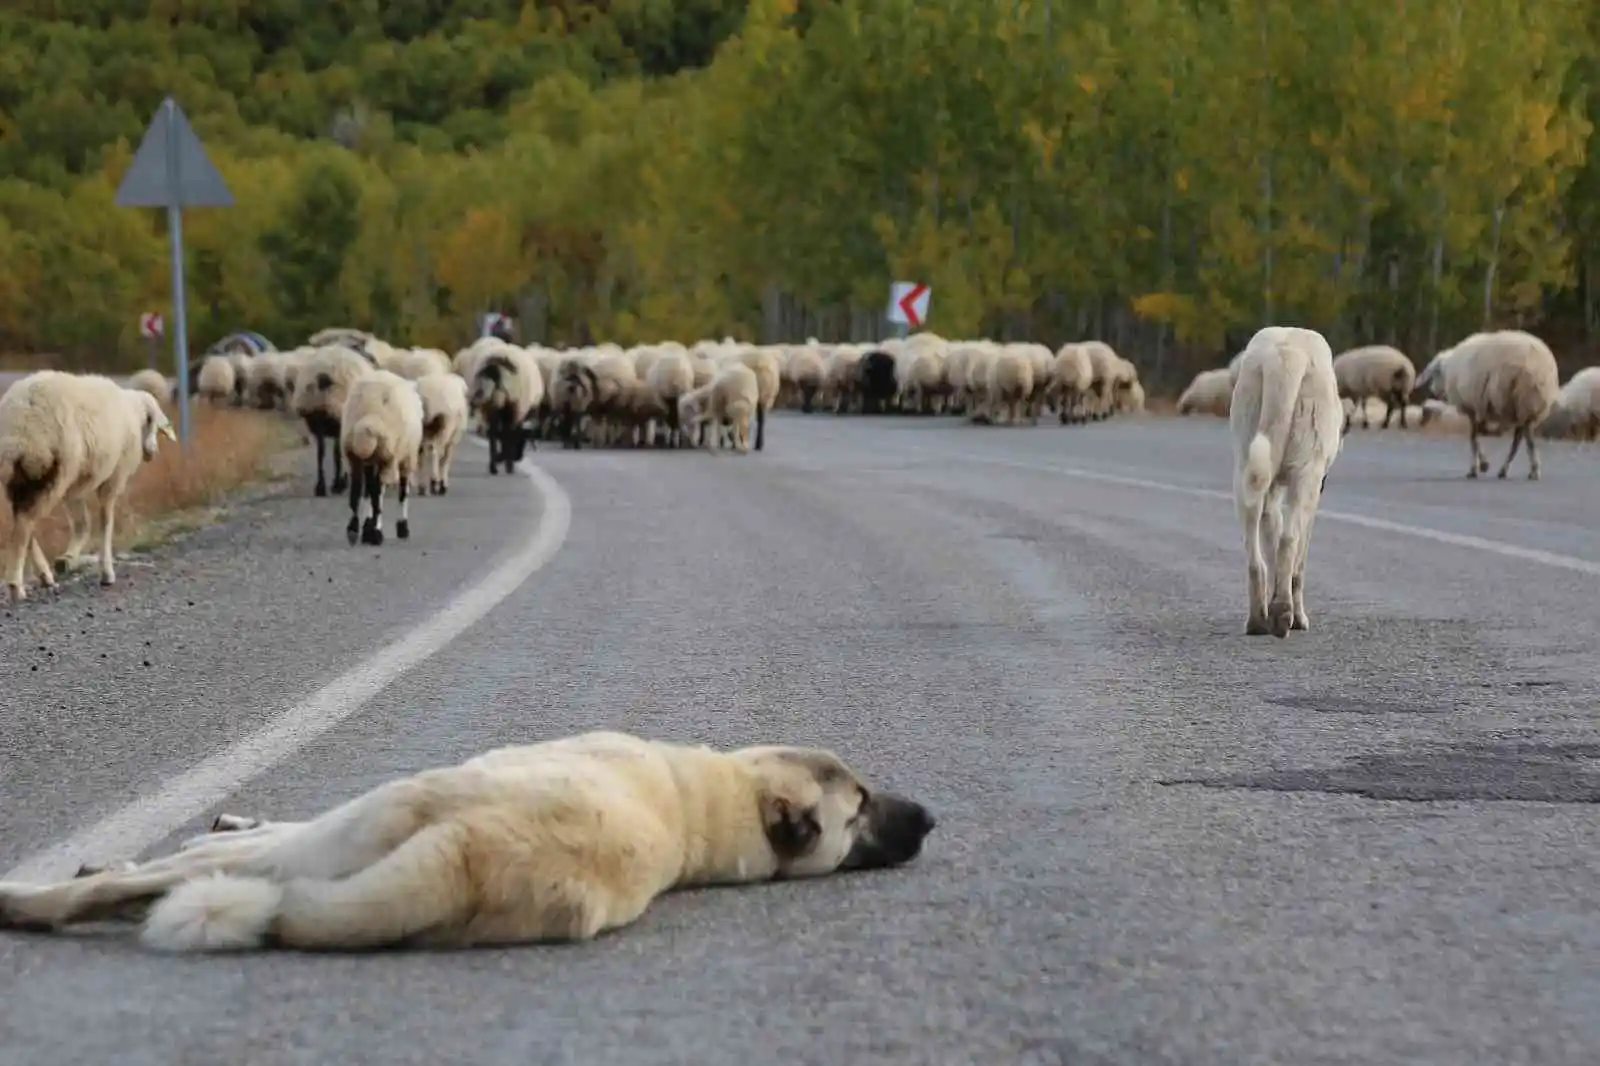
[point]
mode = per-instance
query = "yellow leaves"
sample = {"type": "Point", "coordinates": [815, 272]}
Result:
{"type": "Point", "coordinates": [1087, 83]}
{"type": "Point", "coordinates": [480, 260]}
{"type": "Point", "coordinates": [1042, 142]}
{"type": "Point", "coordinates": [1180, 180]}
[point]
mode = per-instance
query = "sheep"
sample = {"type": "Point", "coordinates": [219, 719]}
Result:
{"type": "Point", "coordinates": [875, 382]}
{"type": "Point", "coordinates": [1071, 376]}
{"type": "Point", "coordinates": [731, 397]}
{"type": "Point", "coordinates": [152, 381]}
{"type": "Point", "coordinates": [215, 382]}
{"type": "Point", "coordinates": [573, 392]}
{"type": "Point", "coordinates": [1106, 368]}
{"type": "Point", "coordinates": [63, 438]}
{"type": "Point", "coordinates": [324, 382]}
{"type": "Point", "coordinates": [764, 364]}
{"type": "Point", "coordinates": [672, 375]}
{"type": "Point", "coordinates": [445, 410]}
{"type": "Point", "coordinates": [266, 383]}
{"type": "Point", "coordinates": [380, 436]}
{"type": "Point", "coordinates": [1010, 384]}
{"type": "Point", "coordinates": [1577, 408]}
{"type": "Point", "coordinates": [1210, 393]}
{"type": "Point", "coordinates": [806, 369]}
{"type": "Point", "coordinates": [838, 377]}
{"type": "Point", "coordinates": [1507, 376]}
{"type": "Point", "coordinates": [506, 387]}
{"type": "Point", "coordinates": [1376, 370]}
{"type": "Point", "coordinates": [1285, 417]}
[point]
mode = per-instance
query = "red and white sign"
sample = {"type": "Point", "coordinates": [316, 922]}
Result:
{"type": "Point", "coordinates": [150, 326]}
{"type": "Point", "coordinates": [908, 303]}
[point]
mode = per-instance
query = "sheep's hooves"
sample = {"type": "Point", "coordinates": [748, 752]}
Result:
{"type": "Point", "coordinates": [443, 490]}
{"type": "Point", "coordinates": [107, 580]}
{"type": "Point", "coordinates": [321, 489]}
{"type": "Point", "coordinates": [1256, 627]}
{"type": "Point", "coordinates": [372, 535]}
{"type": "Point", "coordinates": [352, 532]}
{"type": "Point", "coordinates": [402, 529]}
{"type": "Point", "coordinates": [1281, 621]}
{"type": "Point", "coordinates": [1533, 475]}
{"type": "Point", "coordinates": [341, 482]}
{"type": "Point", "coordinates": [494, 471]}
{"type": "Point", "coordinates": [1301, 623]}
{"type": "Point", "coordinates": [1502, 474]}
{"type": "Point", "coordinates": [1473, 472]}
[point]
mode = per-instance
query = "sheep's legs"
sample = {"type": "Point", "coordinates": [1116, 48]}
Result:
{"type": "Point", "coordinates": [1250, 517]}
{"type": "Point", "coordinates": [352, 532]}
{"type": "Point", "coordinates": [761, 426]}
{"type": "Point", "coordinates": [1300, 500]}
{"type": "Point", "coordinates": [1480, 462]}
{"type": "Point", "coordinates": [1533, 454]}
{"type": "Point", "coordinates": [1516, 439]}
{"type": "Point", "coordinates": [47, 576]}
{"type": "Point", "coordinates": [322, 481]}
{"type": "Point", "coordinates": [341, 477]}
{"type": "Point", "coordinates": [372, 528]}
{"type": "Point", "coordinates": [108, 512]}
{"type": "Point", "coordinates": [496, 453]}
{"type": "Point", "coordinates": [16, 554]}
{"type": "Point", "coordinates": [402, 528]}
{"type": "Point", "coordinates": [79, 526]}
{"type": "Point", "coordinates": [442, 458]}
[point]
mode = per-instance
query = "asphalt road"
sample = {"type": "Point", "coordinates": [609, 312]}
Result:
{"type": "Point", "coordinates": [1160, 841]}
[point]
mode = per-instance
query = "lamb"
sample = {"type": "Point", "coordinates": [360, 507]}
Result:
{"type": "Point", "coordinates": [507, 388]}
{"type": "Point", "coordinates": [380, 436]}
{"type": "Point", "coordinates": [215, 382]}
{"type": "Point", "coordinates": [1376, 370]}
{"type": "Point", "coordinates": [732, 397]}
{"type": "Point", "coordinates": [1210, 393]}
{"type": "Point", "coordinates": [65, 438]}
{"type": "Point", "coordinates": [1286, 420]}
{"type": "Point", "coordinates": [267, 382]}
{"type": "Point", "coordinates": [152, 381]}
{"type": "Point", "coordinates": [445, 410]}
{"type": "Point", "coordinates": [1506, 376]}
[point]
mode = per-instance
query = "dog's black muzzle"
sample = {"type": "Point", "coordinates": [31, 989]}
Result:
{"type": "Point", "coordinates": [892, 832]}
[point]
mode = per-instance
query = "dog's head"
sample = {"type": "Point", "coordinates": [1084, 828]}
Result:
{"type": "Point", "coordinates": [820, 817]}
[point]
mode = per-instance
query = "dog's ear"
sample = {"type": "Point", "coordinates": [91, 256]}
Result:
{"type": "Point", "coordinates": [793, 829]}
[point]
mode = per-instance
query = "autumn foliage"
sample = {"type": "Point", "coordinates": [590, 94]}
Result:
{"type": "Point", "coordinates": [1167, 175]}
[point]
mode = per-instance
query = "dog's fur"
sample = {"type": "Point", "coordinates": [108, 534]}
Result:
{"type": "Point", "coordinates": [560, 840]}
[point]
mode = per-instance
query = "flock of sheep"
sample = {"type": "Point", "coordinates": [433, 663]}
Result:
{"type": "Point", "coordinates": [393, 414]}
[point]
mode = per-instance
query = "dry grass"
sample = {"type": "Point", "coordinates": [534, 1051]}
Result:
{"type": "Point", "coordinates": [179, 489]}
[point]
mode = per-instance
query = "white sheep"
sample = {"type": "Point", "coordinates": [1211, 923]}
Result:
{"type": "Point", "coordinates": [1210, 393]}
{"type": "Point", "coordinates": [1577, 408]}
{"type": "Point", "coordinates": [1376, 370]}
{"type": "Point", "coordinates": [445, 411]}
{"type": "Point", "coordinates": [216, 380]}
{"type": "Point", "coordinates": [506, 388]}
{"type": "Point", "coordinates": [672, 375]}
{"type": "Point", "coordinates": [769, 373]}
{"type": "Point", "coordinates": [322, 387]}
{"type": "Point", "coordinates": [1010, 384]}
{"type": "Point", "coordinates": [732, 397]}
{"type": "Point", "coordinates": [1071, 377]}
{"type": "Point", "coordinates": [805, 369]}
{"type": "Point", "coordinates": [65, 438]}
{"type": "Point", "coordinates": [152, 381]}
{"type": "Point", "coordinates": [380, 436]}
{"type": "Point", "coordinates": [1286, 420]}
{"type": "Point", "coordinates": [1507, 376]}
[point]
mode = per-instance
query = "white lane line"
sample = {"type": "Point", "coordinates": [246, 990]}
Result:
{"type": "Point", "coordinates": [1438, 536]}
{"type": "Point", "coordinates": [132, 828]}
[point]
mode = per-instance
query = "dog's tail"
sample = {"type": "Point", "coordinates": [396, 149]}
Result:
{"type": "Point", "coordinates": [419, 886]}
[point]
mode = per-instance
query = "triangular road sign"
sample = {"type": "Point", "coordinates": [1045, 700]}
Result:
{"type": "Point", "coordinates": [170, 145]}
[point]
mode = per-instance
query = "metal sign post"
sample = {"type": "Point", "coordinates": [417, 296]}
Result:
{"type": "Point", "coordinates": [171, 170]}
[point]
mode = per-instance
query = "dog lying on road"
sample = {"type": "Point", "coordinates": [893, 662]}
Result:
{"type": "Point", "coordinates": [560, 840]}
